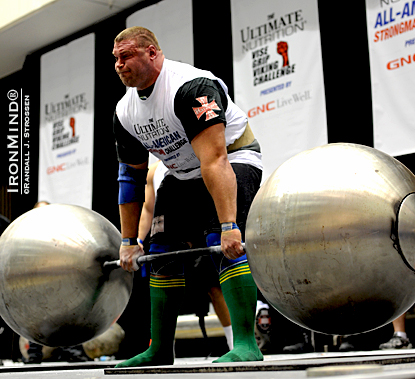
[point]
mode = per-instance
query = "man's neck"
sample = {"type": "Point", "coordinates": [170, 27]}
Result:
{"type": "Point", "coordinates": [145, 93]}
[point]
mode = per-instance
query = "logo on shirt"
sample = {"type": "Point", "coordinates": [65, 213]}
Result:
{"type": "Point", "coordinates": [206, 108]}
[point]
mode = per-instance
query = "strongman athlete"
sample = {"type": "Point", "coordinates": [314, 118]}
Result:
{"type": "Point", "coordinates": [185, 117]}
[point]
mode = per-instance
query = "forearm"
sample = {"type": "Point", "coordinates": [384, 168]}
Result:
{"type": "Point", "coordinates": [220, 181]}
{"type": "Point", "coordinates": [132, 179]}
{"type": "Point", "coordinates": [148, 206]}
{"type": "Point", "coordinates": [145, 223]}
{"type": "Point", "coordinates": [129, 218]}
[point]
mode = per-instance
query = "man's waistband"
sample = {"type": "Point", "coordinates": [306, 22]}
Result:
{"type": "Point", "coordinates": [245, 139]}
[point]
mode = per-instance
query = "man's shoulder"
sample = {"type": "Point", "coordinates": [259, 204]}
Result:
{"type": "Point", "coordinates": [127, 96]}
{"type": "Point", "coordinates": [185, 72]}
{"type": "Point", "coordinates": [123, 103]}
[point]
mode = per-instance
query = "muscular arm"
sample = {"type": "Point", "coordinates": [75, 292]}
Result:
{"type": "Point", "coordinates": [129, 219]}
{"type": "Point", "coordinates": [148, 206]}
{"type": "Point", "coordinates": [219, 177]}
{"type": "Point", "coordinates": [130, 212]}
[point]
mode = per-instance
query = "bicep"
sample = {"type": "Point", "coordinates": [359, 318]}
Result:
{"type": "Point", "coordinates": [210, 144]}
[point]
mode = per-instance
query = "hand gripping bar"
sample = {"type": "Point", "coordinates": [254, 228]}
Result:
{"type": "Point", "coordinates": [181, 253]}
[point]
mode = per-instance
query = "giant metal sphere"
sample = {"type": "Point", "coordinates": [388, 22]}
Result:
{"type": "Point", "coordinates": [53, 288]}
{"type": "Point", "coordinates": [330, 239]}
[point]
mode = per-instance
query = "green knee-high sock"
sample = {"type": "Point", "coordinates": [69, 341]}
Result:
{"type": "Point", "coordinates": [240, 294]}
{"type": "Point", "coordinates": [166, 295]}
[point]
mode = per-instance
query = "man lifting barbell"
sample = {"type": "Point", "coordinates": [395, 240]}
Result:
{"type": "Point", "coordinates": [185, 117]}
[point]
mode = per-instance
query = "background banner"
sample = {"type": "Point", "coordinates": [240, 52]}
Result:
{"type": "Point", "coordinates": [67, 123]}
{"type": "Point", "coordinates": [391, 33]}
{"type": "Point", "coordinates": [278, 75]}
{"type": "Point", "coordinates": [171, 22]}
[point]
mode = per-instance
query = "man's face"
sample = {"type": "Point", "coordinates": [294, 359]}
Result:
{"type": "Point", "coordinates": [132, 64]}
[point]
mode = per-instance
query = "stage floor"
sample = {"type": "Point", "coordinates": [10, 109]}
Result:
{"type": "Point", "coordinates": [373, 364]}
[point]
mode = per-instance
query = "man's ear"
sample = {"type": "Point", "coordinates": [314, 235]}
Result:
{"type": "Point", "coordinates": [152, 51]}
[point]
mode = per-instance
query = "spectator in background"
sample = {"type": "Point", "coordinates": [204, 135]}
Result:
{"type": "Point", "coordinates": [399, 339]}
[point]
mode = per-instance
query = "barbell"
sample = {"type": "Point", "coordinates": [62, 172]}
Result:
{"type": "Point", "coordinates": [197, 252]}
{"type": "Point", "coordinates": [329, 240]}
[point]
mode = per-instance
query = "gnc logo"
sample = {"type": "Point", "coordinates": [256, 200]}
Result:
{"type": "Point", "coordinates": [261, 109]}
{"type": "Point", "coordinates": [52, 169]}
{"type": "Point", "coordinates": [397, 63]}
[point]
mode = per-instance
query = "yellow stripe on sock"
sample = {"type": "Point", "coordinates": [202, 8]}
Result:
{"type": "Point", "coordinates": [165, 282]}
{"type": "Point", "coordinates": [237, 271]}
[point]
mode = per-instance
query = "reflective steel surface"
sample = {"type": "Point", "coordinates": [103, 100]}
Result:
{"type": "Point", "coordinates": [323, 239]}
{"type": "Point", "coordinates": [53, 288]}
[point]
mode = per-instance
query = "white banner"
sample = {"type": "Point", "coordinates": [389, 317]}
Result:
{"type": "Point", "coordinates": [391, 33]}
{"type": "Point", "coordinates": [67, 123]}
{"type": "Point", "coordinates": [171, 22]}
{"type": "Point", "coordinates": [278, 75]}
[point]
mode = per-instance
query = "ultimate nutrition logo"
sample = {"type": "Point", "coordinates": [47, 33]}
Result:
{"type": "Point", "coordinates": [157, 139]}
{"type": "Point", "coordinates": [274, 29]}
{"type": "Point", "coordinates": [68, 106]}
{"type": "Point", "coordinates": [64, 132]}
{"type": "Point", "coordinates": [258, 41]}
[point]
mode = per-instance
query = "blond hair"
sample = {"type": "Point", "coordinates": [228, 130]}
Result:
{"type": "Point", "coordinates": [143, 36]}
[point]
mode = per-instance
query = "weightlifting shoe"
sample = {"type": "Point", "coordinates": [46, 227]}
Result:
{"type": "Point", "coordinates": [32, 360]}
{"type": "Point", "coordinates": [298, 348]}
{"type": "Point", "coordinates": [346, 346]}
{"type": "Point", "coordinates": [72, 354]}
{"type": "Point", "coordinates": [396, 342]}
{"type": "Point", "coordinates": [302, 347]}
